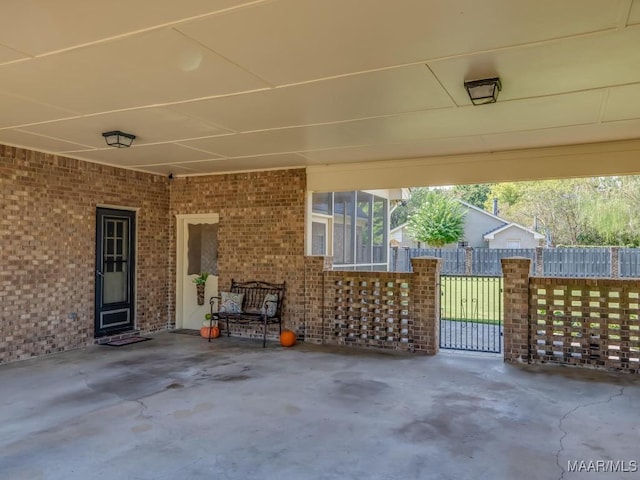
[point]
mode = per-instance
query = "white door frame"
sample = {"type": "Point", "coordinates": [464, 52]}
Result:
{"type": "Point", "coordinates": [181, 221]}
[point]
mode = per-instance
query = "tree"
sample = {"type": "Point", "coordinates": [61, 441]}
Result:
{"type": "Point", "coordinates": [476, 195]}
{"type": "Point", "coordinates": [612, 213]}
{"type": "Point", "coordinates": [403, 211]}
{"type": "Point", "coordinates": [507, 193]}
{"type": "Point", "coordinates": [438, 221]}
{"type": "Point", "coordinates": [579, 211]}
{"type": "Point", "coordinates": [584, 211]}
{"type": "Point", "coordinates": [552, 207]}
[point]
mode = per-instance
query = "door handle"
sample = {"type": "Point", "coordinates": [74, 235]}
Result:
{"type": "Point", "coordinates": [99, 273]}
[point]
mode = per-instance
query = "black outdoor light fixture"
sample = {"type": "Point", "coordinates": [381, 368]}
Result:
{"type": "Point", "coordinates": [483, 91]}
{"type": "Point", "coordinates": [118, 139]}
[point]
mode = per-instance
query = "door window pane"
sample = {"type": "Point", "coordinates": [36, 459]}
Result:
{"type": "Point", "coordinates": [202, 249]}
{"type": "Point", "coordinates": [115, 269]}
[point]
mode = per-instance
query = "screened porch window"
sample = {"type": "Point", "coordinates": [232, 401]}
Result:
{"type": "Point", "coordinates": [357, 228]}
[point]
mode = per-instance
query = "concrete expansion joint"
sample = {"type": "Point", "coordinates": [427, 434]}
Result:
{"type": "Point", "coordinates": [565, 432]}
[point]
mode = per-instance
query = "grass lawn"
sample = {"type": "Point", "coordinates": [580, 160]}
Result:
{"type": "Point", "coordinates": [471, 299]}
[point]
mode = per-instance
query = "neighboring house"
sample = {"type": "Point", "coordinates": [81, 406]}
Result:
{"type": "Point", "coordinates": [482, 229]}
{"type": "Point", "coordinates": [401, 237]}
{"type": "Point", "coordinates": [513, 235]}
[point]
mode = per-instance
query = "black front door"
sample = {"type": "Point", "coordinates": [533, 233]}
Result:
{"type": "Point", "coordinates": [115, 270]}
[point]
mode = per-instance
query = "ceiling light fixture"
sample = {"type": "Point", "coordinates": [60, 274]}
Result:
{"type": "Point", "coordinates": [483, 91]}
{"type": "Point", "coordinates": [118, 139]}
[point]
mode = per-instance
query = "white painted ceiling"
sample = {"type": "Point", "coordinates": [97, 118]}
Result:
{"type": "Point", "coordinates": [211, 86]}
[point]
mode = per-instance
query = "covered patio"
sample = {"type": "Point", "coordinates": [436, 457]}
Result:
{"type": "Point", "coordinates": [241, 110]}
{"type": "Point", "coordinates": [180, 407]}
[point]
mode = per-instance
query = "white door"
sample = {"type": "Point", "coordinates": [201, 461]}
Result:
{"type": "Point", "coordinates": [197, 253]}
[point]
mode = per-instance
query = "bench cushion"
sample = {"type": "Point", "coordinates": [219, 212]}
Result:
{"type": "Point", "coordinates": [231, 302]}
{"type": "Point", "coordinates": [270, 304]}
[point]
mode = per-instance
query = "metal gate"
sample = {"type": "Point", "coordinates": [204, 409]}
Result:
{"type": "Point", "coordinates": [471, 313]}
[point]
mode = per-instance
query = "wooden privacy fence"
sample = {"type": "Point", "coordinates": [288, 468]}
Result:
{"type": "Point", "coordinates": [577, 262]}
{"type": "Point", "coordinates": [597, 262]}
{"type": "Point", "coordinates": [454, 258]}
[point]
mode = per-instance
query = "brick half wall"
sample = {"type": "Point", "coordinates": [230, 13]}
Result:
{"type": "Point", "coordinates": [585, 322]}
{"type": "Point", "coordinates": [378, 310]}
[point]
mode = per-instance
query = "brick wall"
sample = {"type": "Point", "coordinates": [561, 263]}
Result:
{"type": "Point", "coordinates": [380, 310]}
{"type": "Point", "coordinates": [260, 233]}
{"type": "Point", "coordinates": [47, 240]}
{"type": "Point", "coordinates": [426, 303]}
{"type": "Point", "coordinates": [516, 309]}
{"type": "Point", "coordinates": [48, 243]}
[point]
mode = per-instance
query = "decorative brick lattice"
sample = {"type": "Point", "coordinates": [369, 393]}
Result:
{"type": "Point", "coordinates": [585, 322]}
{"type": "Point", "coordinates": [379, 310]}
{"type": "Point", "coordinates": [373, 311]}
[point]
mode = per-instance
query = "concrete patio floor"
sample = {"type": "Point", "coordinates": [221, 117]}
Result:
{"type": "Point", "coordinates": [178, 407]}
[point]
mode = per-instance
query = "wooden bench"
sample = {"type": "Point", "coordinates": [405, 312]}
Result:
{"type": "Point", "coordinates": [261, 304]}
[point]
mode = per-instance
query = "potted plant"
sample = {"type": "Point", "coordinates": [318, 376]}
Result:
{"type": "Point", "coordinates": [201, 281]}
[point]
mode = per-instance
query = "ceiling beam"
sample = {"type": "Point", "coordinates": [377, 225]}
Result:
{"type": "Point", "coordinates": [585, 160]}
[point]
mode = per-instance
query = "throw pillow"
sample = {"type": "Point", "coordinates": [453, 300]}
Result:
{"type": "Point", "coordinates": [270, 304]}
{"type": "Point", "coordinates": [231, 302]}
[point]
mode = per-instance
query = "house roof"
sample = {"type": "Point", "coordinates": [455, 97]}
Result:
{"type": "Point", "coordinates": [481, 210]}
{"type": "Point", "coordinates": [237, 85]}
{"type": "Point", "coordinates": [491, 235]}
{"type": "Point", "coordinates": [499, 227]}
{"type": "Point", "coordinates": [398, 228]}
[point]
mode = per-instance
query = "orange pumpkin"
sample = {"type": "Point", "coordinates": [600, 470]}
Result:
{"type": "Point", "coordinates": [215, 332]}
{"type": "Point", "coordinates": [287, 338]}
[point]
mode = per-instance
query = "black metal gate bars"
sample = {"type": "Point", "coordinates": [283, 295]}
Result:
{"type": "Point", "coordinates": [471, 313]}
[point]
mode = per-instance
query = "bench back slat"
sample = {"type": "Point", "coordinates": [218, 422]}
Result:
{"type": "Point", "coordinates": [255, 291]}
